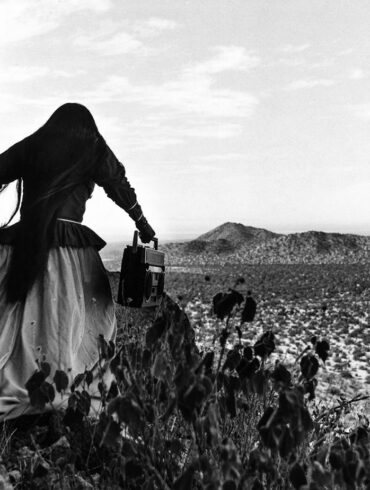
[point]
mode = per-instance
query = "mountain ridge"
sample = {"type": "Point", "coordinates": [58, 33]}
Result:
{"type": "Point", "coordinates": [237, 233]}
{"type": "Point", "coordinates": [235, 242]}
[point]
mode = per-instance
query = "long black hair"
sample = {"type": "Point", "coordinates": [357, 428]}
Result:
{"type": "Point", "coordinates": [60, 155]}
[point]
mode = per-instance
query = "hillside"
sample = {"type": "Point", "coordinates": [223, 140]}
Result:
{"type": "Point", "coordinates": [228, 238]}
{"type": "Point", "coordinates": [236, 243]}
{"type": "Point", "coordinates": [237, 234]}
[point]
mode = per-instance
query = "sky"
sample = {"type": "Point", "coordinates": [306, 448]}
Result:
{"type": "Point", "coordinates": [251, 111]}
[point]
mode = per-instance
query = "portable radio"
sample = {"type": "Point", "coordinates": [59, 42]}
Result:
{"type": "Point", "coordinates": [142, 275]}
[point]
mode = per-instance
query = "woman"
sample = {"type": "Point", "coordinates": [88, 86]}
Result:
{"type": "Point", "coordinates": [55, 298]}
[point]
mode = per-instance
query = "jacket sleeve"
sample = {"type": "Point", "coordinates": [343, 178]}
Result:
{"type": "Point", "coordinates": [11, 162]}
{"type": "Point", "coordinates": [111, 175]}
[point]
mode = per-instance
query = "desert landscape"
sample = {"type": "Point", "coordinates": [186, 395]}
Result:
{"type": "Point", "coordinates": [191, 404]}
{"type": "Point", "coordinates": [305, 284]}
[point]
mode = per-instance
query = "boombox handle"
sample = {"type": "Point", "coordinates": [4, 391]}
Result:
{"type": "Point", "coordinates": [134, 242]}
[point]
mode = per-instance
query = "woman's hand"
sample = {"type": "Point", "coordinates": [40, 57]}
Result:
{"type": "Point", "coordinates": [146, 232]}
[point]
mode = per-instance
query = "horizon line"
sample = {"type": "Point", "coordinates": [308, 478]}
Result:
{"type": "Point", "coordinates": [188, 236]}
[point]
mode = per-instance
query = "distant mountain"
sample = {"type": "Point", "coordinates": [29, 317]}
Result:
{"type": "Point", "coordinates": [326, 242]}
{"type": "Point", "coordinates": [228, 238]}
{"type": "Point", "coordinates": [310, 247]}
{"type": "Point", "coordinates": [237, 234]}
{"type": "Point", "coordinates": [236, 243]}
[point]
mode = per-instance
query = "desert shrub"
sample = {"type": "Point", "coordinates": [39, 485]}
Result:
{"type": "Point", "coordinates": [177, 418]}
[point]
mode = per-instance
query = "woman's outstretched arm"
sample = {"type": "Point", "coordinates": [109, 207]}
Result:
{"type": "Point", "coordinates": [111, 175]}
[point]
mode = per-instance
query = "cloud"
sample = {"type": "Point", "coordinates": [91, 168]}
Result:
{"type": "Point", "coordinates": [290, 62]}
{"type": "Point", "coordinates": [148, 136]}
{"type": "Point", "coordinates": [361, 111]}
{"type": "Point", "coordinates": [68, 74]}
{"type": "Point", "coordinates": [13, 82]}
{"type": "Point", "coordinates": [213, 131]}
{"type": "Point", "coordinates": [138, 134]}
{"type": "Point", "coordinates": [17, 23]}
{"type": "Point", "coordinates": [323, 63]}
{"type": "Point", "coordinates": [118, 43]}
{"type": "Point", "coordinates": [6, 103]}
{"type": "Point", "coordinates": [226, 58]}
{"type": "Point", "coordinates": [154, 26]}
{"type": "Point", "coordinates": [22, 73]}
{"type": "Point", "coordinates": [356, 74]}
{"type": "Point", "coordinates": [191, 104]}
{"type": "Point", "coordinates": [294, 48]}
{"type": "Point", "coordinates": [146, 133]}
{"type": "Point", "coordinates": [300, 61]}
{"type": "Point", "coordinates": [23, 19]}
{"type": "Point", "coordinates": [27, 74]}
{"type": "Point", "coordinates": [194, 91]}
{"type": "Point", "coordinates": [70, 6]}
{"type": "Point", "coordinates": [345, 52]}
{"type": "Point", "coordinates": [124, 38]}
{"type": "Point", "coordinates": [160, 127]}
{"type": "Point", "coordinates": [307, 84]}
{"type": "Point", "coordinates": [224, 157]}
{"type": "Point", "coordinates": [195, 95]}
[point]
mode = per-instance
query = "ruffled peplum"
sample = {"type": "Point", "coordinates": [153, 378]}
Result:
{"type": "Point", "coordinates": [69, 234]}
{"type": "Point", "coordinates": [66, 234]}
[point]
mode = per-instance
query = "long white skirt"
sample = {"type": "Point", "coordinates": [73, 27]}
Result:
{"type": "Point", "coordinates": [62, 317]}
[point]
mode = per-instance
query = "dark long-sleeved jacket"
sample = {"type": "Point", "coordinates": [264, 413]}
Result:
{"type": "Point", "coordinates": [110, 175]}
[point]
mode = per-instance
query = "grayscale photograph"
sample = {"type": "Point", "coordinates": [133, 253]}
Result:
{"type": "Point", "coordinates": [184, 244]}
